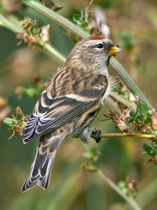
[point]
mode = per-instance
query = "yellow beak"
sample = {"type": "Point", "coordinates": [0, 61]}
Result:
{"type": "Point", "coordinates": [114, 49]}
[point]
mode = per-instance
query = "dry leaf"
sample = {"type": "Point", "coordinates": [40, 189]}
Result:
{"type": "Point", "coordinates": [19, 123]}
{"type": "Point", "coordinates": [154, 122]}
{"type": "Point", "coordinates": [155, 159]}
{"type": "Point", "coordinates": [45, 33]}
{"type": "Point", "coordinates": [51, 5]}
{"type": "Point", "coordinates": [28, 38]}
{"type": "Point", "coordinates": [132, 98]}
{"type": "Point", "coordinates": [120, 118]}
{"type": "Point", "coordinates": [97, 21]}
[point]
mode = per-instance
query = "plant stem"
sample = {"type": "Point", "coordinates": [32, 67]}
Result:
{"type": "Point", "coordinates": [78, 31]}
{"type": "Point", "coordinates": [51, 50]}
{"type": "Point", "coordinates": [136, 135]}
{"type": "Point", "coordinates": [12, 24]}
{"type": "Point", "coordinates": [128, 104]}
{"type": "Point", "coordinates": [7, 23]}
{"type": "Point", "coordinates": [132, 203]}
{"type": "Point", "coordinates": [129, 82]}
{"type": "Point", "coordinates": [55, 17]}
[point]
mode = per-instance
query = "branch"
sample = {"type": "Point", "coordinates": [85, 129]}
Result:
{"type": "Point", "coordinates": [132, 203]}
{"type": "Point", "coordinates": [136, 135]}
{"type": "Point", "coordinates": [11, 23]}
{"type": "Point", "coordinates": [90, 164]}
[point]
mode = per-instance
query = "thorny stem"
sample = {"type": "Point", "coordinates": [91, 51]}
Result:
{"type": "Point", "coordinates": [132, 203]}
{"type": "Point", "coordinates": [78, 31]}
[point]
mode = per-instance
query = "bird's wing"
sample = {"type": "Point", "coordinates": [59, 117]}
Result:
{"type": "Point", "coordinates": [51, 113]}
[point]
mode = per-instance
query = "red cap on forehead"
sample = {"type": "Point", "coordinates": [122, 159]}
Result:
{"type": "Point", "coordinates": [94, 37]}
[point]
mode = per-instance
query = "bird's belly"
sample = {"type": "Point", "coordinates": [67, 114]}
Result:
{"type": "Point", "coordinates": [83, 121]}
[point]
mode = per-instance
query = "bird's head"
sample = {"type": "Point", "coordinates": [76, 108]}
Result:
{"type": "Point", "coordinates": [94, 52]}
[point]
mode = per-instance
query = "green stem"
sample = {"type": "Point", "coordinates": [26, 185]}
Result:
{"type": "Point", "coordinates": [128, 104]}
{"type": "Point", "coordinates": [51, 50]}
{"type": "Point", "coordinates": [132, 203]}
{"type": "Point", "coordinates": [6, 22]}
{"type": "Point", "coordinates": [13, 24]}
{"type": "Point", "coordinates": [78, 31]}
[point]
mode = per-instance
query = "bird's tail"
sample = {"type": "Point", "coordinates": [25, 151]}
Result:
{"type": "Point", "coordinates": [42, 165]}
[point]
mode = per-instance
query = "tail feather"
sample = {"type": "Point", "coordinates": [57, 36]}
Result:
{"type": "Point", "coordinates": [40, 172]}
{"type": "Point", "coordinates": [45, 171]}
{"type": "Point", "coordinates": [41, 167]}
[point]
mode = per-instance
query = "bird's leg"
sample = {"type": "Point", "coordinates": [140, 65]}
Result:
{"type": "Point", "coordinates": [85, 135]}
{"type": "Point", "coordinates": [96, 134]}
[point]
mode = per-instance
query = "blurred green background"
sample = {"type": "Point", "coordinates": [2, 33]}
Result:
{"type": "Point", "coordinates": [71, 188]}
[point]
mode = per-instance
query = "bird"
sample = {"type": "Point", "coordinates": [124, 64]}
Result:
{"type": "Point", "coordinates": [69, 104]}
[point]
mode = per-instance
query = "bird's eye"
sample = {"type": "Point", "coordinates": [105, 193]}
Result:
{"type": "Point", "coordinates": [100, 46]}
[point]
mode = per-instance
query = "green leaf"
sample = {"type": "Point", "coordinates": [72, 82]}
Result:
{"type": "Point", "coordinates": [29, 92]}
{"type": "Point", "coordinates": [80, 20]}
{"type": "Point", "coordinates": [12, 123]}
{"type": "Point", "coordinates": [143, 109]}
{"type": "Point", "coordinates": [133, 114]}
{"type": "Point", "coordinates": [154, 132]}
{"type": "Point", "coordinates": [150, 149]}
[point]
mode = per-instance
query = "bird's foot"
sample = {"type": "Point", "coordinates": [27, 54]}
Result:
{"type": "Point", "coordinates": [96, 134]}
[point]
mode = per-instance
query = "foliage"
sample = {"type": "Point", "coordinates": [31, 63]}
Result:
{"type": "Point", "coordinates": [91, 157]}
{"type": "Point", "coordinates": [80, 20]}
{"type": "Point", "coordinates": [128, 188]}
{"type": "Point", "coordinates": [151, 151]}
{"type": "Point", "coordinates": [17, 122]}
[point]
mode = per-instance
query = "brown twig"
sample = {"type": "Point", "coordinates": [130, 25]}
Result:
{"type": "Point", "coordinates": [133, 134]}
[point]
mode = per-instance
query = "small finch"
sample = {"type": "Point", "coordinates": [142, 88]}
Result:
{"type": "Point", "coordinates": [69, 104]}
